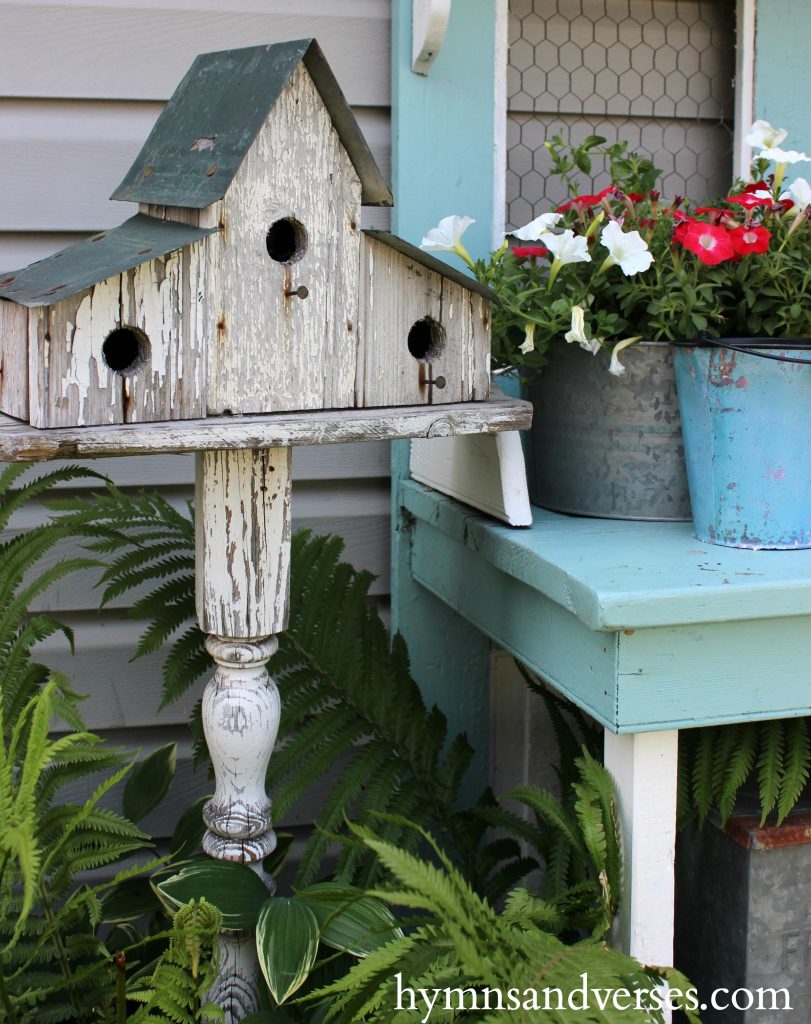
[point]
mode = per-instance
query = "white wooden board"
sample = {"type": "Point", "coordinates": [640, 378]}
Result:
{"type": "Point", "coordinates": [485, 471]}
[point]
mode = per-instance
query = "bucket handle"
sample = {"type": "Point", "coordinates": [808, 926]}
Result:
{"type": "Point", "coordinates": [755, 352]}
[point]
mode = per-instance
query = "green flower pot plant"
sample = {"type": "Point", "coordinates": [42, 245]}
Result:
{"type": "Point", "coordinates": [592, 294]}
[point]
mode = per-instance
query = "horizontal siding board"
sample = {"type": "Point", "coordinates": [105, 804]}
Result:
{"type": "Point", "coordinates": [126, 51]}
{"type": "Point", "coordinates": [19, 248]}
{"type": "Point", "coordinates": [61, 161]}
{"type": "Point", "coordinates": [360, 460]}
{"type": "Point", "coordinates": [357, 513]}
{"type": "Point", "coordinates": [123, 693]}
{"type": "Point", "coordinates": [189, 784]}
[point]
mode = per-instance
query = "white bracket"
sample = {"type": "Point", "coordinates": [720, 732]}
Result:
{"type": "Point", "coordinates": [429, 23]}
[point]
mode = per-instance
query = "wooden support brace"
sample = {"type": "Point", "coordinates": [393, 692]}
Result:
{"type": "Point", "coordinates": [242, 523]}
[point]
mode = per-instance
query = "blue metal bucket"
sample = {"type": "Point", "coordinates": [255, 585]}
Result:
{"type": "Point", "coordinates": [746, 412]}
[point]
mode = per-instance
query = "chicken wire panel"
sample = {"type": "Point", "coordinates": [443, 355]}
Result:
{"type": "Point", "coordinates": [656, 73]}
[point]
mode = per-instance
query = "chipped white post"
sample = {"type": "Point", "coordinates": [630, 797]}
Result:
{"type": "Point", "coordinates": [644, 767]}
{"type": "Point", "coordinates": [242, 523]}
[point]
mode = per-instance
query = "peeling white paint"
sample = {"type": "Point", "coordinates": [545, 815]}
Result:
{"type": "Point", "coordinates": [83, 367]}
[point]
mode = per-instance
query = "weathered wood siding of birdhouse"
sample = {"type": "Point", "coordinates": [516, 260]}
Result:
{"type": "Point", "coordinates": [13, 359]}
{"type": "Point", "coordinates": [451, 337]}
{"type": "Point", "coordinates": [70, 382]}
{"type": "Point", "coordinates": [276, 350]}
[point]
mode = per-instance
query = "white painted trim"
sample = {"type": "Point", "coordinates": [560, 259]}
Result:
{"type": "Point", "coordinates": [744, 85]}
{"type": "Point", "coordinates": [483, 471]}
{"type": "Point", "coordinates": [429, 24]}
{"type": "Point", "coordinates": [500, 121]}
{"type": "Point", "coordinates": [644, 767]}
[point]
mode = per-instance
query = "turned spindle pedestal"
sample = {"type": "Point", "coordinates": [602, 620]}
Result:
{"type": "Point", "coordinates": [242, 501]}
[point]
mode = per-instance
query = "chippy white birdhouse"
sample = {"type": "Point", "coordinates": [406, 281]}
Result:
{"type": "Point", "coordinates": [244, 284]}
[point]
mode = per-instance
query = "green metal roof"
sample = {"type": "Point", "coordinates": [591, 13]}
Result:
{"type": "Point", "coordinates": [206, 129]}
{"type": "Point", "coordinates": [432, 263]}
{"type": "Point", "coordinates": [136, 241]}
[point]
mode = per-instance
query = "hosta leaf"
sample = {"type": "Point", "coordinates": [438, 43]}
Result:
{"type": "Point", "coordinates": [274, 862]}
{"type": "Point", "coordinates": [129, 900]}
{"type": "Point", "coordinates": [236, 891]}
{"type": "Point", "coordinates": [349, 920]}
{"type": "Point", "coordinates": [149, 782]}
{"type": "Point", "coordinates": [189, 831]}
{"type": "Point", "coordinates": [287, 944]}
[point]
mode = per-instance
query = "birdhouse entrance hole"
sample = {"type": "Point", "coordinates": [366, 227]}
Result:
{"type": "Point", "coordinates": [426, 339]}
{"type": "Point", "coordinates": [286, 240]}
{"type": "Point", "coordinates": [125, 349]}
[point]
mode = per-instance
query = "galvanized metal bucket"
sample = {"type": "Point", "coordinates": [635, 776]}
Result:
{"type": "Point", "coordinates": [746, 413]}
{"type": "Point", "coordinates": [608, 446]}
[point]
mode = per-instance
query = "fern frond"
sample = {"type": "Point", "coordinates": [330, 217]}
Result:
{"type": "Point", "coordinates": [738, 766]}
{"type": "Point", "coordinates": [796, 763]}
{"type": "Point", "coordinates": [770, 766]}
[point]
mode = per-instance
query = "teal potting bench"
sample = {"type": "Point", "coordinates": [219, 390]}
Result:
{"type": "Point", "coordinates": [644, 627]}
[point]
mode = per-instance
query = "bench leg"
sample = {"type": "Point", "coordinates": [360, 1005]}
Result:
{"type": "Point", "coordinates": [645, 771]}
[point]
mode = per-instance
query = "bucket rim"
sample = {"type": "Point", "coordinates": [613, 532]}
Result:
{"type": "Point", "coordinates": [802, 344]}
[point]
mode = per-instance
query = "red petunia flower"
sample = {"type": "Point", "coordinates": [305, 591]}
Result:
{"type": "Point", "coordinates": [581, 203]}
{"type": "Point", "coordinates": [637, 197]}
{"type": "Point", "coordinates": [750, 240]}
{"type": "Point", "coordinates": [751, 200]}
{"type": "Point", "coordinates": [717, 216]}
{"type": "Point", "coordinates": [683, 221]}
{"type": "Point", "coordinates": [757, 186]}
{"type": "Point", "coordinates": [680, 231]}
{"type": "Point", "coordinates": [524, 252]}
{"type": "Point", "coordinates": [711, 244]}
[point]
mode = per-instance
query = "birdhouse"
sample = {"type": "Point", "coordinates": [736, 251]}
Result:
{"type": "Point", "coordinates": [244, 284]}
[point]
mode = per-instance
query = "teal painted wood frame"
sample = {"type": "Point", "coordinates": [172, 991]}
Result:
{"type": "Point", "coordinates": [443, 162]}
{"type": "Point", "coordinates": [618, 616]}
{"type": "Point", "coordinates": [781, 72]}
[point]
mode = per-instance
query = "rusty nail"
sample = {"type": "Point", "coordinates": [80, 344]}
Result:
{"type": "Point", "coordinates": [212, 170]}
{"type": "Point", "coordinates": [302, 292]}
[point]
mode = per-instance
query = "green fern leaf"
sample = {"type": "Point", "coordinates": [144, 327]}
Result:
{"type": "Point", "coordinates": [797, 760]}
{"type": "Point", "coordinates": [770, 766]}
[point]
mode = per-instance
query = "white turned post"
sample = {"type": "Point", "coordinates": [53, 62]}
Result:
{"type": "Point", "coordinates": [237, 986]}
{"type": "Point", "coordinates": [242, 525]}
{"type": "Point", "coordinates": [241, 719]}
{"type": "Point", "coordinates": [644, 767]}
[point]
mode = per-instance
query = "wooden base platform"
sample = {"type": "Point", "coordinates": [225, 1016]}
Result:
{"type": "Point", "coordinates": [20, 442]}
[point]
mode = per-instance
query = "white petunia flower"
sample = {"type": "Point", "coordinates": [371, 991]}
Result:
{"type": "Point", "coordinates": [799, 192]}
{"type": "Point", "coordinates": [528, 344]}
{"type": "Point", "coordinates": [567, 248]}
{"type": "Point", "coordinates": [627, 249]}
{"type": "Point", "coordinates": [783, 156]}
{"type": "Point", "coordinates": [763, 136]}
{"type": "Point", "coordinates": [537, 228]}
{"type": "Point", "coordinates": [578, 332]}
{"type": "Point", "coordinates": [616, 366]}
{"type": "Point", "coordinates": [446, 236]}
